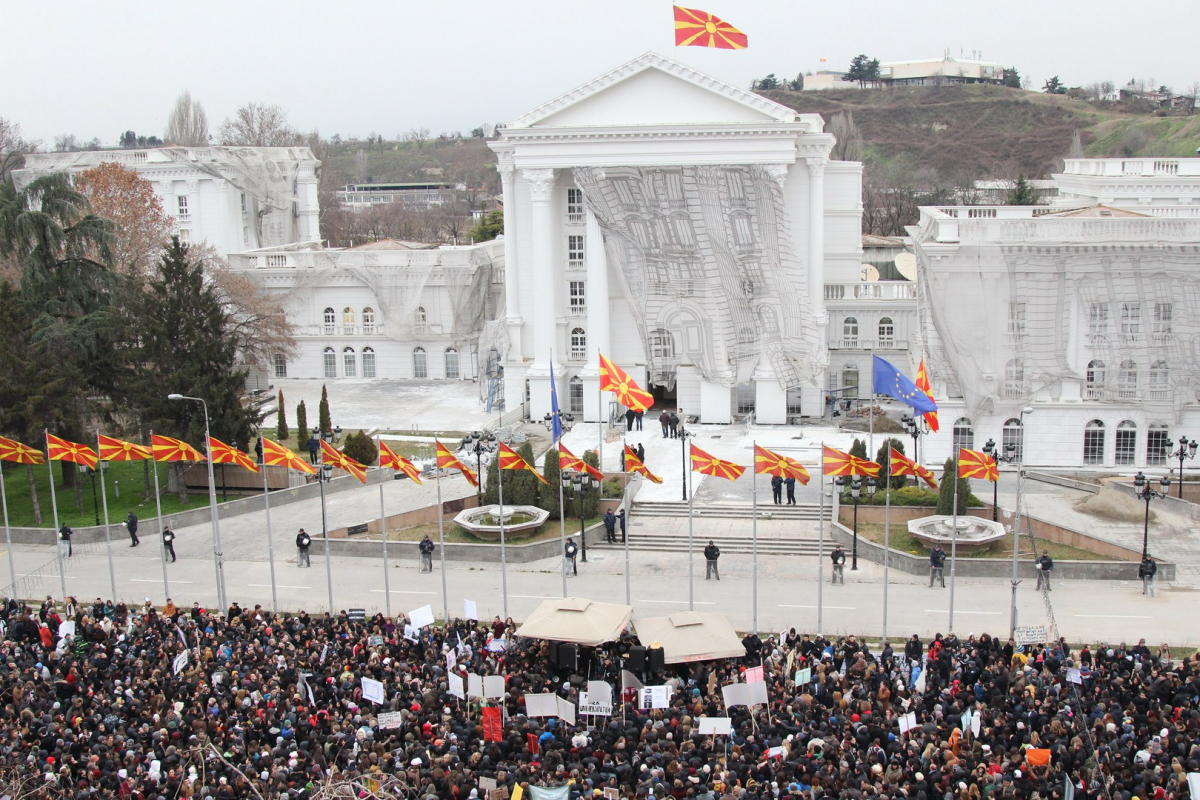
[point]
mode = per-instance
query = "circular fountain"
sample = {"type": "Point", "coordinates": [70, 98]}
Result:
{"type": "Point", "coordinates": [973, 533]}
{"type": "Point", "coordinates": [485, 521]}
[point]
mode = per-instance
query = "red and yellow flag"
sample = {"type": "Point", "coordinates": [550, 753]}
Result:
{"type": "Point", "coordinates": [167, 449]}
{"type": "Point", "coordinates": [974, 464]}
{"type": "Point", "coordinates": [835, 462]}
{"type": "Point", "coordinates": [389, 459]}
{"type": "Point", "coordinates": [12, 450]}
{"type": "Point", "coordinates": [773, 463]}
{"type": "Point", "coordinates": [901, 464]}
{"type": "Point", "coordinates": [331, 455]}
{"type": "Point", "coordinates": [922, 383]}
{"type": "Point", "coordinates": [614, 379]}
{"type": "Point", "coordinates": [120, 450]}
{"type": "Point", "coordinates": [568, 460]}
{"type": "Point", "coordinates": [634, 464]}
{"type": "Point", "coordinates": [276, 455]}
{"type": "Point", "coordinates": [695, 28]}
{"type": "Point", "coordinates": [62, 450]}
{"type": "Point", "coordinates": [708, 464]}
{"type": "Point", "coordinates": [511, 459]}
{"type": "Point", "coordinates": [447, 460]}
{"type": "Point", "coordinates": [224, 454]}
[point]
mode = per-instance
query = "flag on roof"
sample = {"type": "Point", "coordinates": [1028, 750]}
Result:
{"type": "Point", "coordinates": [276, 455]}
{"type": "Point", "coordinates": [331, 455]}
{"type": "Point", "coordinates": [886, 379]}
{"type": "Point", "coordinates": [775, 464]}
{"type": "Point", "coordinates": [634, 464]}
{"type": "Point", "coordinates": [708, 464]}
{"type": "Point", "coordinates": [923, 384]}
{"type": "Point", "coordinates": [12, 450]}
{"type": "Point", "coordinates": [225, 454]}
{"type": "Point", "coordinates": [62, 450]}
{"type": "Point", "coordinates": [615, 379]}
{"type": "Point", "coordinates": [900, 465]}
{"type": "Point", "coordinates": [389, 459]}
{"type": "Point", "coordinates": [835, 462]}
{"type": "Point", "coordinates": [974, 464]}
{"type": "Point", "coordinates": [167, 449]}
{"type": "Point", "coordinates": [447, 460]}
{"type": "Point", "coordinates": [568, 460]}
{"type": "Point", "coordinates": [120, 450]}
{"type": "Point", "coordinates": [694, 28]}
{"type": "Point", "coordinates": [511, 459]}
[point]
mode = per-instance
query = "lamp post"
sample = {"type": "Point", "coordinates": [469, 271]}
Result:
{"type": "Point", "coordinates": [479, 443]}
{"type": "Point", "coordinates": [684, 435]}
{"type": "Point", "coordinates": [86, 470]}
{"type": "Point", "coordinates": [582, 483]}
{"type": "Point", "coordinates": [323, 477]}
{"type": "Point", "coordinates": [218, 556]}
{"type": "Point", "coordinates": [1010, 455]}
{"type": "Point", "coordinates": [1012, 612]}
{"type": "Point", "coordinates": [915, 430]}
{"type": "Point", "coordinates": [1186, 450]}
{"type": "Point", "coordinates": [856, 489]}
{"type": "Point", "coordinates": [1147, 493]}
{"type": "Point", "coordinates": [567, 420]}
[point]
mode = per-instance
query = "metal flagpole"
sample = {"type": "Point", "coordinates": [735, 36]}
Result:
{"type": "Point", "coordinates": [325, 532]}
{"type": "Point", "coordinates": [442, 543]}
{"type": "Point", "coordinates": [270, 538]}
{"type": "Point", "coordinates": [1012, 621]}
{"type": "Point", "coordinates": [754, 538]}
{"type": "Point", "coordinates": [112, 576]}
{"type": "Point", "coordinates": [821, 550]}
{"type": "Point", "coordinates": [887, 529]}
{"type": "Point", "coordinates": [12, 567]}
{"type": "Point", "coordinates": [625, 532]}
{"type": "Point", "coordinates": [953, 546]}
{"type": "Point", "coordinates": [562, 529]}
{"type": "Point", "coordinates": [62, 576]}
{"type": "Point", "coordinates": [158, 506]}
{"type": "Point", "coordinates": [387, 594]}
{"type": "Point", "coordinates": [503, 551]}
{"type": "Point", "coordinates": [691, 548]}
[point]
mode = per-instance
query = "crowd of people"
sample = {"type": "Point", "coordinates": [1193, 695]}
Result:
{"type": "Point", "coordinates": [100, 701]}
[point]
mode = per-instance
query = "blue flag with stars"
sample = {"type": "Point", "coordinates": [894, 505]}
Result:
{"type": "Point", "coordinates": [555, 415]}
{"type": "Point", "coordinates": [888, 380]}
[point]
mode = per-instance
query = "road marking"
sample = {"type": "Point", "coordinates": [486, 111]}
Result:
{"type": "Point", "coordinates": [698, 602]}
{"type": "Point", "coordinates": [156, 580]}
{"type": "Point", "coordinates": [400, 591]}
{"type": "Point", "coordinates": [1113, 616]}
{"type": "Point", "coordinates": [534, 596]}
{"type": "Point", "coordinates": [278, 585]}
{"type": "Point", "coordinates": [46, 575]}
{"type": "Point", "coordinates": [959, 611]}
{"type": "Point", "coordinates": [838, 608]}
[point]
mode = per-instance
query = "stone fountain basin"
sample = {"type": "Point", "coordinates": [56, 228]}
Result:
{"type": "Point", "coordinates": [484, 521]}
{"type": "Point", "coordinates": [974, 533]}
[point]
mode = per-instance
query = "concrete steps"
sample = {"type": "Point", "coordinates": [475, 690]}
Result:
{"type": "Point", "coordinates": [678, 508]}
{"type": "Point", "coordinates": [641, 540]}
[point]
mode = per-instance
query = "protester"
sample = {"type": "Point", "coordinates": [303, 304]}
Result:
{"type": "Point", "coordinates": [937, 566]}
{"type": "Point", "coordinates": [711, 554]}
{"type": "Point", "coordinates": [838, 557]}
{"type": "Point", "coordinates": [169, 542]}
{"type": "Point", "coordinates": [570, 551]}
{"type": "Point", "coordinates": [1146, 571]}
{"type": "Point", "coordinates": [664, 419]}
{"type": "Point", "coordinates": [303, 542]}
{"type": "Point", "coordinates": [64, 537]}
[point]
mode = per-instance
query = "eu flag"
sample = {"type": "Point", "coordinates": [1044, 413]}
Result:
{"type": "Point", "coordinates": [556, 416]}
{"type": "Point", "coordinates": [889, 381]}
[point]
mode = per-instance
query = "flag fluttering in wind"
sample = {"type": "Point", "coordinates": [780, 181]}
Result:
{"type": "Point", "coordinates": [570, 461]}
{"type": "Point", "coordinates": [614, 379]}
{"type": "Point", "coordinates": [120, 450]}
{"type": "Point", "coordinates": [923, 384]}
{"type": "Point", "coordinates": [694, 28]}
{"type": "Point", "coordinates": [12, 450]}
{"type": "Point", "coordinates": [775, 464]}
{"type": "Point", "coordinates": [886, 379]}
{"type": "Point", "coordinates": [447, 460]}
{"type": "Point", "coordinates": [511, 459]}
{"type": "Point", "coordinates": [276, 455]}
{"type": "Point", "coordinates": [901, 465]}
{"type": "Point", "coordinates": [835, 462]}
{"type": "Point", "coordinates": [708, 464]}
{"type": "Point", "coordinates": [556, 431]}
{"type": "Point", "coordinates": [62, 450]}
{"type": "Point", "coordinates": [167, 449]}
{"type": "Point", "coordinates": [389, 459]}
{"type": "Point", "coordinates": [974, 464]}
{"type": "Point", "coordinates": [225, 454]}
{"type": "Point", "coordinates": [634, 464]}
{"type": "Point", "coordinates": [331, 455]}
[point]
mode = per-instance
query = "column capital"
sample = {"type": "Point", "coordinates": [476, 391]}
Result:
{"type": "Point", "coordinates": [778, 173]}
{"type": "Point", "coordinates": [506, 170]}
{"type": "Point", "coordinates": [541, 184]}
{"type": "Point", "coordinates": [816, 166]}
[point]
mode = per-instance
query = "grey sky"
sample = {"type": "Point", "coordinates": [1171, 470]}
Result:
{"type": "Point", "coordinates": [361, 66]}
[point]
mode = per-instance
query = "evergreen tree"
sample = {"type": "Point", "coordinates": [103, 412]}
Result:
{"type": "Point", "coordinates": [324, 421]}
{"type": "Point", "coordinates": [490, 226]}
{"type": "Point", "coordinates": [301, 422]}
{"type": "Point", "coordinates": [491, 486]}
{"type": "Point", "coordinates": [1022, 194]}
{"type": "Point", "coordinates": [521, 486]}
{"type": "Point", "coordinates": [281, 426]}
{"type": "Point", "coordinates": [883, 459]}
{"type": "Point", "coordinates": [361, 448]}
{"type": "Point", "coordinates": [1012, 78]}
{"type": "Point", "coordinates": [945, 504]}
{"type": "Point", "coordinates": [859, 448]}
{"type": "Point", "coordinates": [551, 472]}
{"type": "Point", "coordinates": [1054, 86]}
{"type": "Point", "coordinates": [591, 504]}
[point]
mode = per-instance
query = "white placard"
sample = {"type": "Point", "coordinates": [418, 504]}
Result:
{"type": "Point", "coordinates": [775, 752]}
{"type": "Point", "coordinates": [470, 610]}
{"type": "Point", "coordinates": [803, 676]}
{"type": "Point", "coordinates": [180, 662]}
{"type": "Point", "coordinates": [908, 722]}
{"type": "Point", "coordinates": [594, 706]}
{"type": "Point", "coordinates": [744, 694]}
{"type": "Point", "coordinates": [541, 705]}
{"type": "Point", "coordinates": [372, 690]}
{"type": "Point", "coordinates": [493, 687]}
{"type": "Point", "coordinates": [1074, 675]}
{"type": "Point", "coordinates": [566, 711]}
{"type": "Point", "coordinates": [629, 680]}
{"type": "Point", "coordinates": [410, 633]}
{"type": "Point", "coordinates": [67, 628]}
{"type": "Point", "coordinates": [474, 685]}
{"type": "Point", "coordinates": [1193, 779]}
{"type": "Point", "coordinates": [976, 724]}
{"type": "Point", "coordinates": [390, 720]}
{"type": "Point", "coordinates": [600, 691]}
{"type": "Point", "coordinates": [421, 617]}
{"type": "Point", "coordinates": [654, 697]}
{"type": "Point", "coordinates": [1029, 634]}
{"type": "Point", "coordinates": [451, 660]}
{"type": "Point", "coordinates": [456, 686]}
{"type": "Point", "coordinates": [716, 726]}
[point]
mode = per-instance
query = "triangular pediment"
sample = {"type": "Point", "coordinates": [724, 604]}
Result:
{"type": "Point", "coordinates": [653, 90]}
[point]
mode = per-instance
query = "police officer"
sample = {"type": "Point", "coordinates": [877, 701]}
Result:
{"type": "Point", "coordinates": [610, 527]}
{"type": "Point", "coordinates": [131, 524]}
{"type": "Point", "coordinates": [1045, 566]}
{"type": "Point", "coordinates": [711, 554]}
{"type": "Point", "coordinates": [570, 550]}
{"type": "Point", "coordinates": [426, 548]}
{"type": "Point", "coordinates": [838, 557]}
{"type": "Point", "coordinates": [169, 542]}
{"type": "Point", "coordinates": [64, 536]}
{"type": "Point", "coordinates": [303, 540]}
{"type": "Point", "coordinates": [937, 564]}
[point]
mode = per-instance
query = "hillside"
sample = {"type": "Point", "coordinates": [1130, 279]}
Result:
{"type": "Point", "coordinates": [982, 131]}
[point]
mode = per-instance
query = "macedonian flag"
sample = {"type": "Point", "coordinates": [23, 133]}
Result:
{"type": "Point", "coordinates": [335, 457]}
{"type": "Point", "coordinates": [167, 449]}
{"type": "Point", "coordinates": [569, 461]}
{"type": "Point", "coordinates": [447, 460]}
{"type": "Point", "coordinates": [634, 464]}
{"type": "Point", "coordinates": [120, 450]}
{"type": "Point", "coordinates": [62, 450]}
{"type": "Point", "coordinates": [708, 464]}
{"type": "Point", "coordinates": [224, 454]}
{"type": "Point", "coordinates": [276, 455]}
{"type": "Point", "coordinates": [773, 463]}
{"type": "Point", "coordinates": [700, 29]}
{"type": "Point", "coordinates": [511, 459]}
{"type": "Point", "coordinates": [923, 384]}
{"type": "Point", "coordinates": [12, 450]}
{"type": "Point", "coordinates": [901, 465]}
{"type": "Point", "coordinates": [389, 459]}
{"type": "Point", "coordinates": [974, 464]}
{"type": "Point", "coordinates": [615, 379]}
{"type": "Point", "coordinates": [835, 462]}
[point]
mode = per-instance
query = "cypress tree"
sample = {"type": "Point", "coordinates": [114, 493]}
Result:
{"type": "Point", "coordinates": [883, 459]}
{"type": "Point", "coordinates": [324, 421]}
{"type": "Point", "coordinates": [491, 487]}
{"type": "Point", "coordinates": [859, 449]}
{"type": "Point", "coordinates": [521, 486]}
{"type": "Point", "coordinates": [301, 422]}
{"type": "Point", "coordinates": [551, 471]}
{"type": "Point", "coordinates": [281, 427]}
{"type": "Point", "coordinates": [591, 504]}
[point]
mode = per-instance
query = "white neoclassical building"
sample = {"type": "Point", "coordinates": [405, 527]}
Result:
{"type": "Point", "coordinates": [686, 228]}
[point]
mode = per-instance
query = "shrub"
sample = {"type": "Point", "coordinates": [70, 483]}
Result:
{"type": "Point", "coordinates": [361, 448]}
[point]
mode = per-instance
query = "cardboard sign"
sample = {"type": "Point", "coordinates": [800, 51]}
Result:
{"type": "Point", "coordinates": [421, 617]}
{"type": "Point", "coordinates": [594, 706]}
{"type": "Point", "coordinates": [180, 662]}
{"type": "Point", "coordinates": [487, 784]}
{"type": "Point", "coordinates": [356, 614]}
{"type": "Point", "coordinates": [541, 705]}
{"type": "Point", "coordinates": [716, 726]}
{"type": "Point", "coordinates": [390, 720]}
{"type": "Point", "coordinates": [470, 610]}
{"type": "Point", "coordinates": [451, 660]}
{"type": "Point", "coordinates": [493, 727]}
{"type": "Point", "coordinates": [908, 722]}
{"type": "Point", "coordinates": [754, 674]}
{"type": "Point", "coordinates": [611, 793]}
{"type": "Point", "coordinates": [410, 633]}
{"type": "Point", "coordinates": [498, 794]}
{"type": "Point", "coordinates": [803, 676]}
{"type": "Point", "coordinates": [1029, 634]}
{"type": "Point", "coordinates": [456, 686]}
{"type": "Point", "coordinates": [654, 697]}
{"type": "Point", "coordinates": [372, 690]}
{"type": "Point", "coordinates": [375, 641]}
{"type": "Point", "coordinates": [474, 685]}
{"type": "Point", "coordinates": [744, 694]}
{"type": "Point", "coordinates": [1074, 675]}
{"type": "Point", "coordinates": [566, 711]}
{"type": "Point", "coordinates": [493, 687]}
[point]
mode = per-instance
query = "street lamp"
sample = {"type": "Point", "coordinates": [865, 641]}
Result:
{"type": "Point", "coordinates": [1186, 450]}
{"type": "Point", "coordinates": [323, 477]}
{"type": "Point", "coordinates": [218, 556]}
{"type": "Point", "coordinates": [915, 430]}
{"type": "Point", "coordinates": [683, 435]}
{"type": "Point", "coordinates": [86, 470]}
{"type": "Point", "coordinates": [479, 443]}
{"type": "Point", "coordinates": [1012, 611]}
{"type": "Point", "coordinates": [567, 420]}
{"type": "Point", "coordinates": [581, 482]}
{"type": "Point", "coordinates": [337, 435]}
{"type": "Point", "coordinates": [1147, 493]}
{"type": "Point", "coordinates": [1010, 455]}
{"type": "Point", "coordinates": [856, 488]}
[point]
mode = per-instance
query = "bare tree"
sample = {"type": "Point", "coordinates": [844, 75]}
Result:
{"type": "Point", "coordinates": [12, 148]}
{"type": "Point", "coordinates": [849, 144]}
{"type": "Point", "coordinates": [258, 125]}
{"type": "Point", "coordinates": [258, 318]}
{"type": "Point", "coordinates": [1193, 93]}
{"type": "Point", "coordinates": [360, 166]}
{"type": "Point", "coordinates": [66, 142]}
{"type": "Point", "coordinates": [418, 135]}
{"type": "Point", "coordinates": [1076, 145]}
{"type": "Point", "coordinates": [187, 125]}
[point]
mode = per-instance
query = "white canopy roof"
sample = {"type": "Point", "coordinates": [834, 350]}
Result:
{"type": "Point", "coordinates": [575, 619]}
{"type": "Point", "coordinates": [690, 636]}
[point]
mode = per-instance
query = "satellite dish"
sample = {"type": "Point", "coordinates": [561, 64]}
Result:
{"type": "Point", "coordinates": [868, 273]}
{"type": "Point", "coordinates": [906, 265]}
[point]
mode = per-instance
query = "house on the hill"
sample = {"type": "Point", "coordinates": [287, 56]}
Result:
{"type": "Point", "coordinates": [918, 72]}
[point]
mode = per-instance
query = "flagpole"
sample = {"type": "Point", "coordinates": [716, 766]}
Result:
{"type": "Point", "coordinates": [62, 576]}
{"type": "Point", "coordinates": [953, 546]}
{"type": "Point", "coordinates": [625, 534]}
{"type": "Point", "coordinates": [821, 546]}
{"type": "Point", "coordinates": [12, 567]}
{"type": "Point", "coordinates": [270, 538]}
{"type": "Point", "coordinates": [387, 594]}
{"type": "Point", "coordinates": [562, 529]}
{"type": "Point", "coordinates": [754, 538]}
{"type": "Point", "coordinates": [503, 551]}
{"type": "Point", "coordinates": [325, 531]}
{"type": "Point", "coordinates": [112, 577]}
{"type": "Point", "coordinates": [887, 529]}
{"type": "Point", "coordinates": [158, 506]}
{"type": "Point", "coordinates": [442, 542]}
{"type": "Point", "coordinates": [691, 547]}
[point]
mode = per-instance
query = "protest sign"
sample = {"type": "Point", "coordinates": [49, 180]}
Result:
{"type": "Point", "coordinates": [390, 720]}
{"type": "Point", "coordinates": [1074, 675]}
{"type": "Point", "coordinates": [421, 617]}
{"type": "Point", "coordinates": [470, 610]}
{"type": "Point", "coordinates": [493, 727]}
{"type": "Point", "coordinates": [803, 676]}
{"type": "Point", "coordinates": [654, 697]}
{"type": "Point", "coordinates": [1029, 634]}
{"type": "Point", "coordinates": [493, 687]}
{"type": "Point", "coordinates": [541, 705]}
{"type": "Point", "coordinates": [566, 711]}
{"type": "Point", "coordinates": [716, 726]}
{"type": "Point", "coordinates": [908, 722]}
{"type": "Point", "coordinates": [595, 706]}
{"type": "Point", "coordinates": [180, 662]}
{"type": "Point", "coordinates": [754, 674]}
{"type": "Point", "coordinates": [456, 685]}
{"type": "Point", "coordinates": [372, 690]}
{"type": "Point", "coordinates": [474, 685]}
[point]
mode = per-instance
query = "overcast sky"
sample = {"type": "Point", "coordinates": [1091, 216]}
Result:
{"type": "Point", "coordinates": [359, 66]}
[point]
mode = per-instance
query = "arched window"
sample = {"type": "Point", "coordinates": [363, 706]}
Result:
{"type": "Point", "coordinates": [575, 395]}
{"type": "Point", "coordinates": [368, 320]}
{"type": "Point", "coordinates": [1014, 378]}
{"type": "Point", "coordinates": [347, 320]}
{"type": "Point", "coordinates": [349, 368]}
{"type": "Point", "coordinates": [330, 359]}
{"type": "Point", "coordinates": [1093, 442]}
{"type": "Point", "coordinates": [887, 332]}
{"type": "Point", "coordinates": [1127, 380]}
{"type": "Point", "coordinates": [420, 369]}
{"type": "Point", "coordinates": [330, 319]}
{"type": "Point", "coordinates": [451, 364]}
{"type": "Point", "coordinates": [1160, 376]}
{"type": "Point", "coordinates": [1095, 380]}
{"type": "Point", "coordinates": [420, 319]}
{"type": "Point", "coordinates": [368, 355]}
{"type": "Point", "coordinates": [1126, 449]}
{"type": "Point", "coordinates": [1158, 444]}
{"type": "Point", "coordinates": [964, 435]}
{"type": "Point", "coordinates": [1013, 434]}
{"type": "Point", "coordinates": [578, 351]}
{"type": "Point", "coordinates": [850, 330]}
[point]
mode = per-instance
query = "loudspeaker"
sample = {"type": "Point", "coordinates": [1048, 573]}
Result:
{"type": "Point", "coordinates": [637, 658]}
{"type": "Point", "coordinates": [657, 659]}
{"type": "Point", "coordinates": [568, 656]}
{"type": "Point", "coordinates": [552, 652]}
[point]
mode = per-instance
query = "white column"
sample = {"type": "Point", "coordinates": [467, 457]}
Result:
{"type": "Point", "coordinates": [512, 279]}
{"type": "Point", "coordinates": [816, 235]}
{"type": "Point", "coordinates": [598, 310]}
{"type": "Point", "coordinates": [541, 190]}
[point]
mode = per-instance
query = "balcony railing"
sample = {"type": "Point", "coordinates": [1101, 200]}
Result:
{"type": "Point", "coordinates": [578, 311]}
{"type": "Point", "coordinates": [868, 344]}
{"type": "Point", "coordinates": [575, 217]}
{"type": "Point", "coordinates": [575, 263]}
{"type": "Point", "coordinates": [880, 290]}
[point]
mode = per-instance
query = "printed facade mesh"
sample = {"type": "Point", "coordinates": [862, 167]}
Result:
{"type": "Point", "coordinates": [706, 263]}
{"type": "Point", "coordinates": [1111, 305]}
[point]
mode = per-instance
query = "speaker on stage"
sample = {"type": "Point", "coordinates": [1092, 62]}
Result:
{"type": "Point", "coordinates": [568, 656]}
{"type": "Point", "coordinates": [552, 652]}
{"type": "Point", "coordinates": [637, 658]}
{"type": "Point", "coordinates": [657, 659]}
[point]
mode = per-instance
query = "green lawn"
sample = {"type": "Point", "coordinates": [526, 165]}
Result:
{"type": "Point", "coordinates": [901, 540]}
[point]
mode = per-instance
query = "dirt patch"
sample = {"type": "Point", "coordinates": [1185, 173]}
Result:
{"type": "Point", "coordinates": [1111, 504]}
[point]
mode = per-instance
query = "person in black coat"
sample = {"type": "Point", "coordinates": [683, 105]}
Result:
{"type": "Point", "coordinates": [838, 557]}
{"type": "Point", "coordinates": [131, 525]}
{"type": "Point", "coordinates": [426, 548]}
{"type": "Point", "coordinates": [711, 554]}
{"type": "Point", "coordinates": [777, 489]}
{"type": "Point", "coordinates": [610, 527]}
{"type": "Point", "coordinates": [621, 522]}
{"type": "Point", "coordinates": [571, 551]}
{"type": "Point", "coordinates": [790, 484]}
{"type": "Point", "coordinates": [641, 453]}
{"type": "Point", "coordinates": [303, 541]}
{"type": "Point", "coordinates": [169, 542]}
{"type": "Point", "coordinates": [1045, 565]}
{"type": "Point", "coordinates": [64, 535]}
{"type": "Point", "coordinates": [314, 447]}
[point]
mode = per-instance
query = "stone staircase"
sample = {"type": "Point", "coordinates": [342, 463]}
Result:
{"type": "Point", "coordinates": [768, 510]}
{"type": "Point", "coordinates": [644, 534]}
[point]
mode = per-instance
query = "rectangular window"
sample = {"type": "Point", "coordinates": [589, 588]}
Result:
{"type": "Point", "coordinates": [1131, 320]}
{"type": "Point", "coordinates": [574, 205]}
{"type": "Point", "coordinates": [1162, 319]}
{"type": "Point", "coordinates": [575, 403]}
{"type": "Point", "coordinates": [330, 364]}
{"type": "Point", "coordinates": [745, 398]}
{"type": "Point", "coordinates": [420, 370]}
{"type": "Point", "coordinates": [368, 363]}
{"type": "Point", "coordinates": [850, 383]}
{"type": "Point", "coordinates": [1016, 321]}
{"type": "Point", "coordinates": [245, 234]}
{"type": "Point", "coordinates": [1097, 321]}
{"type": "Point", "coordinates": [348, 359]}
{"type": "Point", "coordinates": [1093, 446]}
{"type": "Point", "coordinates": [1126, 448]}
{"type": "Point", "coordinates": [793, 401]}
{"type": "Point", "coordinates": [452, 365]}
{"type": "Point", "coordinates": [578, 298]}
{"type": "Point", "coordinates": [279, 362]}
{"type": "Point", "coordinates": [574, 252]}
{"type": "Point", "coordinates": [183, 206]}
{"type": "Point", "coordinates": [243, 202]}
{"type": "Point", "coordinates": [1158, 445]}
